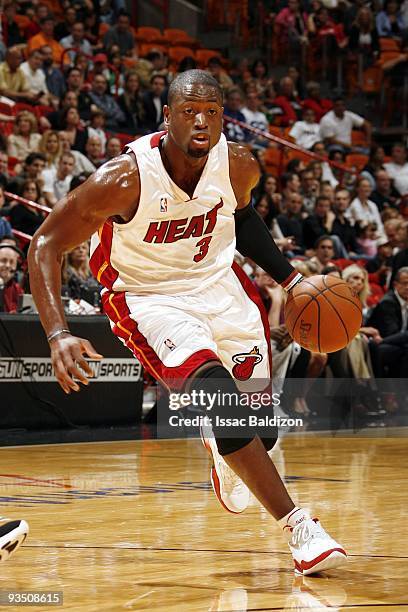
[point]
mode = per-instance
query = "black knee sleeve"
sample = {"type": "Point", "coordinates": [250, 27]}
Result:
{"type": "Point", "coordinates": [207, 381]}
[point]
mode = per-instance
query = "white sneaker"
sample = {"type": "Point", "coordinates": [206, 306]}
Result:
{"type": "Point", "coordinates": [313, 550]}
{"type": "Point", "coordinates": [232, 492]}
{"type": "Point", "coordinates": [12, 534]}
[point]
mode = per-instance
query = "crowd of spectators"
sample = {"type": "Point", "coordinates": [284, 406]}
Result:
{"type": "Point", "coordinates": [71, 97]}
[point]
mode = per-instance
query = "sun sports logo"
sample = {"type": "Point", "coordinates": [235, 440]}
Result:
{"type": "Point", "coordinates": [39, 369]}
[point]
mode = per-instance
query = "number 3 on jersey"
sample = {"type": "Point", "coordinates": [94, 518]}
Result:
{"type": "Point", "coordinates": [203, 245]}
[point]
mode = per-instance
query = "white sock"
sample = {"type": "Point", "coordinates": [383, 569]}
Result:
{"type": "Point", "coordinates": [294, 517]}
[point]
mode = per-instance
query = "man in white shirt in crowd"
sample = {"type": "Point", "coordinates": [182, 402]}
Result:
{"type": "Point", "coordinates": [57, 182]}
{"type": "Point", "coordinates": [307, 132]}
{"type": "Point", "coordinates": [336, 127]}
{"type": "Point", "coordinates": [76, 41]}
{"type": "Point", "coordinates": [397, 168]}
{"type": "Point", "coordinates": [255, 118]}
{"type": "Point", "coordinates": [35, 78]}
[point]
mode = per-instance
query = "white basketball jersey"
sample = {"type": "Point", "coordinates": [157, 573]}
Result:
{"type": "Point", "coordinates": [174, 244]}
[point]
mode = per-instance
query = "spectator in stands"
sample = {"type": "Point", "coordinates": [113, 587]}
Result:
{"type": "Point", "coordinates": [131, 103]}
{"type": "Point", "coordinates": [75, 83]}
{"type": "Point", "coordinates": [25, 218]}
{"type": "Point", "coordinates": [4, 172]}
{"type": "Point", "coordinates": [255, 118]}
{"type": "Point", "coordinates": [91, 25]}
{"type": "Point", "coordinates": [94, 151]}
{"type": "Point", "coordinates": [337, 124]}
{"type": "Point", "coordinates": [50, 147]}
{"type": "Point", "coordinates": [390, 317]}
{"type": "Point", "coordinates": [46, 37]}
{"type": "Point", "coordinates": [397, 168]}
{"type": "Point", "coordinates": [63, 28]}
{"type": "Point", "coordinates": [11, 33]}
{"type": "Point", "coordinates": [396, 231]}
{"type": "Point", "coordinates": [291, 221]}
{"type": "Point", "coordinates": [324, 253]}
{"type": "Point", "coordinates": [76, 40]}
{"type": "Point", "coordinates": [390, 22]}
{"type": "Point", "coordinates": [367, 240]}
{"type": "Point", "coordinates": [341, 225]}
{"type": "Point", "coordinates": [292, 29]}
{"type": "Point", "coordinates": [265, 208]}
{"type": "Point", "coordinates": [5, 227]}
{"type": "Point", "coordinates": [54, 120]}
{"type": "Point", "coordinates": [362, 210]}
{"type": "Point", "coordinates": [375, 162]}
{"type": "Point", "coordinates": [233, 105]}
{"type": "Point", "coordinates": [384, 194]}
{"type": "Point", "coordinates": [260, 77]}
{"type": "Point", "coordinates": [57, 183]}
{"type": "Point", "coordinates": [322, 170]}
{"type": "Point", "coordinates": [54, 78]}
{"type": "Point", "coordinates": [34, 164]}
{"type": "Point", "coordinates": [290, 182]}
{"type": "Point", "coordinates": [153, 102]}
{"type": "Point", "coordinates": [215, 68]}
{"type": "Point", "coordinates": [187, 63]}
{"type": "Point", "coordinates": [113, 148]}
{"type": "Point", "coordinates": [288, 102]}
{"type": "Point", "coordinates": [104, 101]}
{"type": "Point", "coordinates": [309, 190]}
{"type": "Point", "coordinates": [13, 83]}
{"type": "Point", "coordinates": [315, 102]}
{"type": "Point", "coordinates": [11, 290]}
{"type": "Point", "coordinates": [318, 224]}
{"type": "Point", "coordinates": [77, 276]}
{"type": "Point", "coordinates": [363, 37]}
{"type": "Point", "coordinates": [120, 34]}
{"type": "Point", "coordinates": [71, 123]}
{"type": "Point", "coordinates": [307, 132]}
{"type": "Point", "coordinates": [82, 164]}
{"type": "Point", "coordinates": [269, 185]}
{"type": "Point", "coordinates": [26, 138]}
{"type": "Point", "coordinates": [35, 78]}
{"type": "Point", "coordinates": [97, 127]}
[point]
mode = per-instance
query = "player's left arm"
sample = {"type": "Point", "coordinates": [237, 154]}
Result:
{"type": "Point", "coordinates": [254, 240]}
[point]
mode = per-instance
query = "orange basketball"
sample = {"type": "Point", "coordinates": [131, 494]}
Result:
{"type": "Point", "coordinates": [323, 313]}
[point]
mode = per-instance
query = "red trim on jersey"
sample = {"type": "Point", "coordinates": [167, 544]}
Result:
{"type": "Point", "coordinates": [125, 327]}
{"type": "Point", "coordinates": [155, 139]}
{"type": "Point", "coordinates": [100, 263]}
{"type": "Point", "coordinates": [256, 298]}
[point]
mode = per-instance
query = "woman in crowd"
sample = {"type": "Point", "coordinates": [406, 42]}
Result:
{"type": "Point", "coordinates": [28, 219]}
{"type": "Point", "coordinates": [72, 125]}
{"type": "Point", "coordinates": [50, 146]}
{"type": "Point", "coordinates": [375, 163]}
{"type": "Point", "coordinates": [77, 278]}
{"type": "Point", "coordinates": [267, 210]}
{"type": "Point", "coordinates": [390, 21]}
{"type": "Point", "coordinates": [131, 103]}
{"type": "Point", "coordinates": [362, 210]}
{"type": "Point", "coordinates": [363, 38]}
{"type": "Point", "coordinates": [26, 138]}
{"type": "Point", "coordinates": [259, 73]}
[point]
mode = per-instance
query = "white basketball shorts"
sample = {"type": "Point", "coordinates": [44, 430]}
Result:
{"type": "Point", "coordinates": [172, 336]}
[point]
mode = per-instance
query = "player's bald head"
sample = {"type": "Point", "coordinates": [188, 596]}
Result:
{"type": "Point", "coordinates": [194, 82]}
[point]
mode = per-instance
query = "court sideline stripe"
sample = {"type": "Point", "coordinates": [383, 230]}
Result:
{"type": "Point", "coordinates": [209, 550]}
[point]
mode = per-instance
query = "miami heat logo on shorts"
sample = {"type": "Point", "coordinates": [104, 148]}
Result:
{"type": "Point", "coordinates": [245, 364]}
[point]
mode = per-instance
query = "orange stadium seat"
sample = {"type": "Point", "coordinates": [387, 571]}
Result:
{"type": "Point", "coordinates": [389, 44]}
{"type": "Point", "coordinates": [145, 48]}
{"type": "Point", "coordinates": [274, 160]}
{"type": "Point", "coordinates": [203, 55]}
{"type": "Point", "coordinates": [358, 138]}
{"type": "Point", "coordinates": [357, 161]}
{"type": "Point", "coordinates": [179, 38]}
{"type": "Point", "coordinates": [304, 157]}
{"type": "Point", "coordinates": [176, 54]}
{"type": "Point", "coordinates": [149, 34]}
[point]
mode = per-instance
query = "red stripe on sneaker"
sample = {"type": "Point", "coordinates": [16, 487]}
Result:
{"type": "Point", "coordinates": [306, 565]}
{"type": "Point", "coordinates": [217, 489]}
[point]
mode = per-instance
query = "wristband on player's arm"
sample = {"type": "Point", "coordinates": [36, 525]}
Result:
{"type": "Point", "coordinates": [255, 241]}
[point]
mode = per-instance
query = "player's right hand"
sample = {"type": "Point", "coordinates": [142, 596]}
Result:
{"type": "Point", "coordinates": [67, 353]}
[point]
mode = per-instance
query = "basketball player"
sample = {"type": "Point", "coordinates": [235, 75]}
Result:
{"type": "Point", "coordinates": [165, 217]}
{"type": "Point", "coordinates": [12, 534]}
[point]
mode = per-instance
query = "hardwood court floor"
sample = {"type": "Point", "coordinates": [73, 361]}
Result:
{"type": "Point", "coordinates": [135, 526]}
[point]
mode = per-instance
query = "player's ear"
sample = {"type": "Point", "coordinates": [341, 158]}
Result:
{"type": "Point", "coordinates": [166, 115]}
